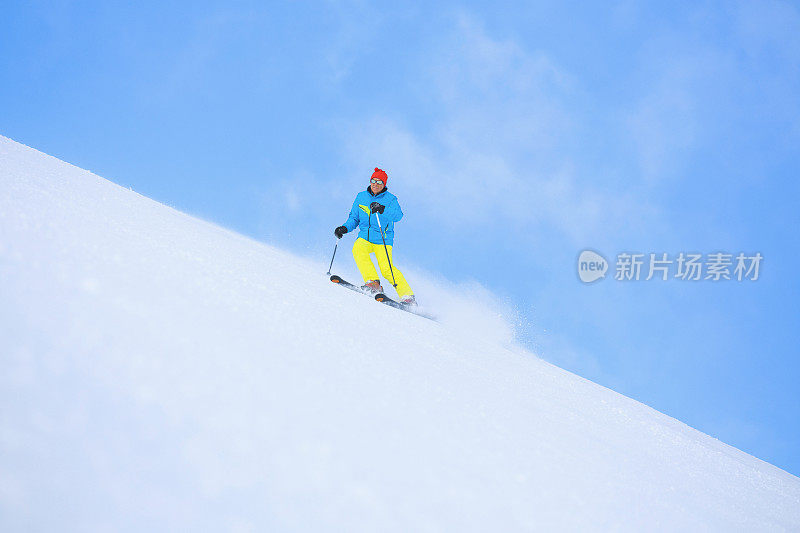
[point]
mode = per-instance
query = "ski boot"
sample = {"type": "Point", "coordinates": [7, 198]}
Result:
{"type": "Point", "coordinates": [373, 287]}
{"type": "Point", "coordinates": [409, 300]}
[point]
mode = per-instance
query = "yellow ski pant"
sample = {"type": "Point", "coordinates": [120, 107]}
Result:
{"type": "Point", "coordinates": [361, 250]}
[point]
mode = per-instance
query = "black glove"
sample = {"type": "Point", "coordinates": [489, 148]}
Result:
{"type": "Point", "coordinates": [375, 207]}
{"type": "Point", "coordinates": [340, 231]}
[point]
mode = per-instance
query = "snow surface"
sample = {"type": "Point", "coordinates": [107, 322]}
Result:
{"type": "Point", "coordinates": [159, 372]}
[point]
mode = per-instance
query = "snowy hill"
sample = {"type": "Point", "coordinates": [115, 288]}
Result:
{"type": "Point", "coordinates": [160, 372]}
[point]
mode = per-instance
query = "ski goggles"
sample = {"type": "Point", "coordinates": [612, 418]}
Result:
{"type": "Point", "coordinates": [373, 180]}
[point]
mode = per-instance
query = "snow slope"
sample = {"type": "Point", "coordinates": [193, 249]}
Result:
{"type": "Point", "coordinates": [159, 372]}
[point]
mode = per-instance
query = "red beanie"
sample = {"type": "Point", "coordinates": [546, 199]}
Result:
{"type": "Point", "coordinates": [380, 175]}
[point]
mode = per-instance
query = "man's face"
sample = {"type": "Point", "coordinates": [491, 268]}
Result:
{"type": "Point", "coordinates": [375, 187]}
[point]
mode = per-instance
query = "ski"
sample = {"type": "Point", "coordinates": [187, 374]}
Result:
{"type": "Point", "coordinates": [380, 297]}
{"type": "Point", "coordinates": [356, 288]}
{"type": "Point", "coordinates": [344, 283]}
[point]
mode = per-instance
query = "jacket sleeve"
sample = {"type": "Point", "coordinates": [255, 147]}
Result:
{"type": "Point", "coordinates": [353, 219]}
{"type": "Point", "coordinates": [392, 211]}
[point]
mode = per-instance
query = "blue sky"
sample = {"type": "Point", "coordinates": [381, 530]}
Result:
{"type": "Point", "coordinates": [515, 134]}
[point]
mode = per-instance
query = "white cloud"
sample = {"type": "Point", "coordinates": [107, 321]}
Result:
{"type": "Point", "coordinates": [498, 146]}
{"type": "Point", "coordinates": [694, 83]}
{"type": "Point", "coordinates": [352, 18]}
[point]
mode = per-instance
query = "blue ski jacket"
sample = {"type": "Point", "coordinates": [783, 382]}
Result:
{"type": "Point", "coordinates": [368, 224]}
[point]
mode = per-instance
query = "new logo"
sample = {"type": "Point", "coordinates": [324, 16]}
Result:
{"type": "Point", "coordinates": [591, 266]}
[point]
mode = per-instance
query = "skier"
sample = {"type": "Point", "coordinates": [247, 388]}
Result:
{"type": "Point", "coordinates": [376, 236]}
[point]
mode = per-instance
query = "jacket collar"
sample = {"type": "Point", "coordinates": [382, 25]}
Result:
{"type": "Point", "coordinates": [369, 190]}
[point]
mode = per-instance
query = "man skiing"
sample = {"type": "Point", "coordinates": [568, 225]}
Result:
{"type": "Point", "coordinates": [375, 212]}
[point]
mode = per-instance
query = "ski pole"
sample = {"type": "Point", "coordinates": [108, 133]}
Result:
{"type": "Point", "coordinates": [334, 255]}
{"type": "Point", "coordinates": [394, 283]}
